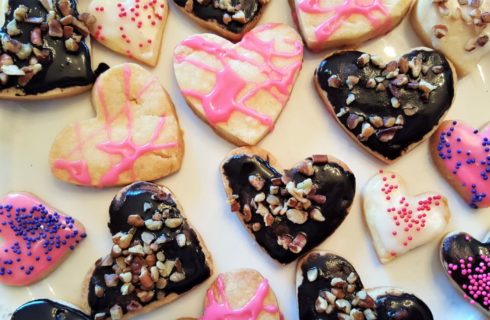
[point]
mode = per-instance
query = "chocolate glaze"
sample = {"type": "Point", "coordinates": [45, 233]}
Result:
{"type": "Point", "coordinates": [462, 246]}
{"type": "Point", "coordinates": [132, 201]}
{"type": "Point", "coordinates": [372, 102]}
{"type": "Point", "coordinates": [336, 183]}
{"type": "Point", "coordinates": [44, 309]}
{"type": "Point", "coordinates": [209, 13]}
{"type": "Point", "coordinates": [388, 306]}
{"type": "Point", "coordinates": [66, 69]}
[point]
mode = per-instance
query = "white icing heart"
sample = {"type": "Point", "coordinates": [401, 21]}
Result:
{"type": "Point", "coordinates": [397, 221]}
{"type": "Point", "coordinates": [130, 27]}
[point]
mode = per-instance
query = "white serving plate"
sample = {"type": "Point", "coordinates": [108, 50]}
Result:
{"type": "Point", "coordinates": [27, 130]}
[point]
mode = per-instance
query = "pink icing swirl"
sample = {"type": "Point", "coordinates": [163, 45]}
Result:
{"type": "Point", "coordinates": [227, 95]}
{"type": "Point", "coordinates": [370, 9]}
{"type": "Point", "coordinates": [216, 310]}
{"type": "Point", "coordinates": [125, 152]}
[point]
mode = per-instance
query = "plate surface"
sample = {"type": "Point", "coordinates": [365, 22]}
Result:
{"type": "Point", "coordinates": [28, 129]}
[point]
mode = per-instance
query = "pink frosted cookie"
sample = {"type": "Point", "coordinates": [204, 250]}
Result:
{"type": "Point", "coordinates": [329, 24]}
{"type": "Point", "coordinates": [34, 239]}
{"type": "Point", "coordinates": [240, 89]}
{"type": "Point", "coordinates": [135, 135]}
{"type": "Point", "coordinates": [397, 221]}
{"type": "Point", "coordinates": [462, 155]}
{"type": "Point", "coordinates": [131, 27]}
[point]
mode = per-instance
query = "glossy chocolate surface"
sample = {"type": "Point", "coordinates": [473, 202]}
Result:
{"type": "Point", "coordinates": [400, 306]}
{"type": "Point", "coordinates": [334, 182]}
{"type": "Point", "coordinates": [370, 102]}
{"type": "Point", "coordinates": [66, 69]}
{"type": "Point", "coordinates": [209, 13]}
{"type": "Point", "coordinates": [44, 309]}
{"type": "Point", "coordinates": [144, 198]}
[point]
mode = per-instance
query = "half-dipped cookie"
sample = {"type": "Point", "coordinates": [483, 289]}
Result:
{"type": "Point", "coordinates": [230, 19]}
{"type": "Point", "coordinates": [330, 288]}
{"type": "Point", "coordinates": [44, 309]}
{"type": "Point", "coordinates": [288, 212]}
{"type": "Point", "coordinates": [387, 107]}
{"type": "Point", "coordinates": [156, 255]}
{"type": "Point", "coordinates": [45, 49]}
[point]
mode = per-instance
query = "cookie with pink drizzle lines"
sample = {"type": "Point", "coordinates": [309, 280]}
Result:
{"type": "Point", "coordinates": [34, 239]}
{"type": "Point", "coordinates": [240, 90]}
{"type": "Point", "coordinates": [467, 263]}
{"type": "Point", "coordinates": [135, 135]}
{"type": "Point", "coordinates": [330, 24]}
{"type": "Point", "coordinates": [397, 221]}
{"type": "Point", "coordinates": [462, 155]}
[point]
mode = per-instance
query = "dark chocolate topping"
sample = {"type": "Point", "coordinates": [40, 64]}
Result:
{"type": "Point", "coordinates": [330, 269]}
{"type": "Point", "coordinates": [419, 112]}
{"type": "Point", "coordinates": [208, 12]}
{"type": "Point", "coordinates": [64, 69]}
{"type": "Point", "coordinates": [330, 180]}
{"type": "Point", "coordinates": [461, 247]}
{"type": "Point", "coordinates": [145, 199]}
{"type": "Point", "coordinates": [44, 309]}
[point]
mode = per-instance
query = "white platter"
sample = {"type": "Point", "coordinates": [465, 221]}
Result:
{"type": "Point", "coordinates": [27, 130]}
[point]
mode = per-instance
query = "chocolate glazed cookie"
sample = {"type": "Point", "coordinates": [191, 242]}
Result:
{"type": "Point", "coordinates": [44, 309]}
{"type": "Point", "coordinates": [156, 255]}
{"type": "Point", "coordinates": [388, 108]}
{"type": "Point", "coordinates": [288, 213]}
{"type": "Point", "coordinates": [330, 288]}
{"type": "Point", "coordinates": [43, 51]}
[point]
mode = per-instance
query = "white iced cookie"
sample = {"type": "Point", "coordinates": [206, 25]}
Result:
{"type": "Point", "coordinates": [131, 27]}
{"type": "Point", "coordinates": [457, 30]}
{"type": "Point", "coordinates": [335, 23]}
{"type": "Point", "coordinates": [397, 221]}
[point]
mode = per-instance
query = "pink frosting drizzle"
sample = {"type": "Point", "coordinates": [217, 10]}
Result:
{"type": "Point", "coordinates": [222, 311]}
{"type": "Point", "coordinates": [224, 98]}
{"type": "Point", "coordinates": [366, 8]}
{"type": "Point", "coordinates": [35, 239]}
{"type": "Point", "coordinates": [125, 152]}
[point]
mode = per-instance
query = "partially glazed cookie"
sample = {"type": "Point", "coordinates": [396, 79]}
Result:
{"type": "Point", "coordinates": [45, 49]}
{"type": "Point", "coordinates": [44, 309]}
{"type": "Point", "coordinates": [459, 29]}
{"type": "Point", "coordinates": [288, 212]}
{"type": "Point", "coordinates": [466, 262]}
{"type": "Point", "coordinates": [231, 19]}
{"type": "Point", "coordinates": [330, 288]}
{"type": "Point", "coordinates": [134, 136]}
{"type": "Point", "coordinates": [462, 155]}
{"type": "Point", "coordinates": [34, 239]}
{"type": "Point", "coordinates": [332, 24]}
{"type": "Point", "coordinates": [156, 255]}
{"type": "Point", "coordinates": [388, 108]}
{"type": "Point", "coordinates": [240, 89]}
{"type": "Point", "coordinates": [133, 28]}
{"type": "Point", "coordinates": [397, 221]}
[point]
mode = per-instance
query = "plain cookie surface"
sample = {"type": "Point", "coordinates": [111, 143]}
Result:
{"type": "Point", "coordinates": [135, 135]}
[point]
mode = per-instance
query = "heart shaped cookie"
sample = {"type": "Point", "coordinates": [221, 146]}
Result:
{"type": "Point", "coordinates": [397, 221]}
{"type": "Point", "coordinates": [329, 24]}
{"type": "Point", "coordinates": [466, 262]}
{"type": "Point", "coordinates": [456, 28]}
{"type": "Point", "coordinates": [389, 108]}
{"type": "Point", "coordinates": [131, 27]}
{"type": "Point", "coordinates": [45, 49]}
{"type": "Point", "coordinates": [288, 213]}
{"type": "Point", "coordinates": [240, 90]}
{"type": "Point", "coordinates": [230, 19]}
{"type": "Point", "coordinates": [156, 255]}
{"type": "Point", "coordinates": [135, 135]}
{"type": "Point", "coordinates": [34, 239]}
{"type": "Point", "coordinates": [44, 309]}
{"type": "Point", "coordinates": [462, 155]}
{"type": "Point", "coordinates": [330, 288]}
